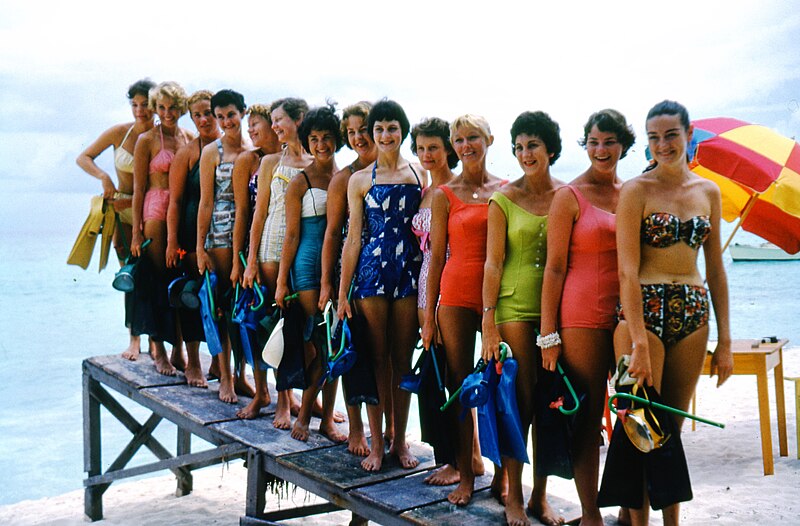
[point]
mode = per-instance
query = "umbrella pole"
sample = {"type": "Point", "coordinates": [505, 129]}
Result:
{"type": "Point", "coordinates": [750, 203]}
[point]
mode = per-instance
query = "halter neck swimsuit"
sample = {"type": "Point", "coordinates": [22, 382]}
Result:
{"type": "Point", "coordinates": [220, 231]}
{"type": "Point", "coordinates": [123, 159]}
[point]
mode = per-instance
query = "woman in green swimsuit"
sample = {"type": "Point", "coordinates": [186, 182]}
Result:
{"type": "Point", "coordinates": [516, 253]}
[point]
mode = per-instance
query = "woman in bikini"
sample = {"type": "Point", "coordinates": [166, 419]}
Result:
{"type": "Point", "coordinates": [581, 289]}
{"type": "Point", "coordinates": [216, 215]}
{"type": "Point", "coordinates": [358, 138]}
{"type": "Point", "coordinates": [383, 199]}
{"type": "Point", "coordinates": [152, 159]}
{"type": "Point", "coordinates": [122, 138]}
{"type": "Point", "coordinates": [664, 216]}
{"type": "Point", "coordinates": [268, 228]}
{"type": "Point", "coordinates": [459, 213]}
{"type": "Point", "coordinates": [184, 201]}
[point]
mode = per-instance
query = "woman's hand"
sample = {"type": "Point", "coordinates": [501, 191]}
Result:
{"type": "Point", "coordinates": [108, 187]}
{"type": "Point", "coordinates": [640, 367]}
{"type": "Point", "coordinates": [281, 291]}
{"type": "Point", "coordinates": [344, 308]}
{"type": "Point", "coordinates": [236, 272]}
{"type": "Point", "coordinates": [203, 262]}
{"type": "Point", "coordinates": [172, 255]}
{"type": "Point", "coordinates": [250, 275]}
{"type": "Point", "coordinates": [722, 362]}
{"type": "Point", "coordinates": [429, 331]}
{"type": "Point", "coordinates": [136, 243]}
{"type": "Point", "coordinates": [550, 357]}
{"type": "Point", "coordinates": [325, 294]}
{"type": "Point", "coordinates": [490, 338]}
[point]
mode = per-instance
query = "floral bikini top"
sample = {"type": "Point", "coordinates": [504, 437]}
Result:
{"type": "Point", "coordinates": [662, 230]}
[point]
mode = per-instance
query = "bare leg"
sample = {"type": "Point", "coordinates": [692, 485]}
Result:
{"type": "Point", "coordinates": [156, 253]}
{"type": "Point", "coordinates": [261, 398]}
{"type": "Point", "coordinates": [194, 371]}
{"type": "Point", "coordinates": [587, 354]}
{"type": "Point", "coordinates": [176, 357]}
{"type": "Point", "coordinates": [122, 238]}
{"type": "Point", "coordinates": [240, 383]}
{"type": "Point", "coordinates": [134, 348]}
{"type": "Point", "coordinates": [405, 333]}
{"type": "Point", "coordinates": [221, 259]}
{"type": "Point", "coordinates": [458, 327]}
{"type": "Point", "coordinates": [539, 506]}
{"type": "Point", "coordinates": [356, 441]}
{"type": "Point", "coordinates": [328, 425]}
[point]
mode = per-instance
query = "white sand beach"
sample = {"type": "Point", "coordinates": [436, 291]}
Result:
{"type": "Point", "coordinates": [725, 465]}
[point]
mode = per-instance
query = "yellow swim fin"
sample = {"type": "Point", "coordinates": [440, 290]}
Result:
{"type": "Point", "coordinates": [107, 233]}
{"type": "Point", "coordinates": [82, 250]}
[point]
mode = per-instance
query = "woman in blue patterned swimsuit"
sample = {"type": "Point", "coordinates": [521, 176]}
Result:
{"type": "Point", "coordinates": [383, 199]}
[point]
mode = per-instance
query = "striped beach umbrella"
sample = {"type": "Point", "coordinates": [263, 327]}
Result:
{"type": "Point", "coordinates": [758, 172]}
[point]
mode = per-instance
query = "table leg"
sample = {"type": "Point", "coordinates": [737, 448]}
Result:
{"type": "Point", "coordinates": [780, 402]}
{"type": "Point", "coordinates": [763, 417]}
{"type": "Point", "coordinates": [797, 413]}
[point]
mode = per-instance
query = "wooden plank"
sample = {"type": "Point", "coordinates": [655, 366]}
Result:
{"type": "Point", "coordinates": [261, 434]}
{"type": "Point", "coordinates": [403, 494]}
{"type": "Point", "coordinates": [338, 467]}
{"type": "Point", "coordinates": [201, 406]}
{"type": "Point", "coordinates": [483, 510]}
{"type": "Point", "coordinates": [139, 373]}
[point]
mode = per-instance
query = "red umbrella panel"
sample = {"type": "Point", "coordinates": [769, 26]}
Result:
{"type": "Point", "coordinates": [758, 172]}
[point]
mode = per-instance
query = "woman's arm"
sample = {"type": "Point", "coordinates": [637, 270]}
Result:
{"type": "Point", "coordinates": [336, 214]}
{"type": "Point", "coordinates": [629, 220]}
{"type": "Point", "coordinates": [564, 211]}
{"type": "Point", "coordinates": [141, 171]}
{"type": "Point", "coordinates": [209, 160]}
{"type": "Point", "coordinates": [86, 158]}
{"type": "Point", "coordinates": [294, 203]}
{"type": "Point", "coordinates": [356, 189]}
{"type": "Point", "coordinates": [492, 275]}
{"type": "Point", "coordinates": [178, 171]}
{"type": "Point", "coordinates": [440, 213]}
{"type": "Point", "coordinates": [242, 168]}
{"type": "Point", "coordinates": [259, 218]}
{"type": "Point", "coordinates": [722, 360]}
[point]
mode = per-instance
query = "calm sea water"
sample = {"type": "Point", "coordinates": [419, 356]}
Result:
{"type": "Point", "coordinates": [52, 316]}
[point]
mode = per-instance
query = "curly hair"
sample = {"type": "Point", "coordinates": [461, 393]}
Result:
{"type": "Point", "coordinates": [320, 119]}
{"type": "Point", "coordinates": [168, 89]}
{"type": "Point", "coordinates": [540, 124]}
{"type": "Point", "coordinates": [359, 109]}
{"type": "Point", "coordinates": [610, 121]}
{"type": "Point", "coordinates": [435, 127]}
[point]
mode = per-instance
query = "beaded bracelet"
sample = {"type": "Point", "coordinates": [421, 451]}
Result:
{"type": "Point", "coordinates": [548, 340]}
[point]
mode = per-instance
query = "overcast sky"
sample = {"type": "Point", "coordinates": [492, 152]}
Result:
{"type": "Point", "coordinates": [65, 67]}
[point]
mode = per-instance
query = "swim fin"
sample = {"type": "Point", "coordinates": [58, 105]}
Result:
{"type": "Point", "coordinates": [107, 233]}
{"type": "Point", "coordinates": [82, 250]}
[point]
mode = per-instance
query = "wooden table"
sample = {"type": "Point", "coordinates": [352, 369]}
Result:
{"type": "Point", "coordinates": [758, 361]}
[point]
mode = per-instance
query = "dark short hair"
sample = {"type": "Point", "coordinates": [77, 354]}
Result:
{"type": "Point", "coordinates": [320, 119]}
{"type": "Point", "coordinates": [140, 87]}
{"type": "Point", "coordinates": [610, 121]}
{"type": "Point", "coordinates": [540, 124]}
{"type": "Point", "coordinates": [388, 110]}
{"type": "Point", "coordinates": [670, 107]}
{"type": "Point", "coordinates": [295, 108]}
{"type": "Point", "coordinates": [226, 97]}
{"type": "Point", "coordinates": [359, 109]}
{"type": "Point", "coordinates": [435, 127]}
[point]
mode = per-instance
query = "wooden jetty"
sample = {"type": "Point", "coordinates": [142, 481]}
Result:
{"type": "Point", "coordinates": [393, 496]}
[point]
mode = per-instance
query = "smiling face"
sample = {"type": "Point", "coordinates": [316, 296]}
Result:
{"type": "Point", "coordinates": [470, 145]}
{"type": "Point", "coordinates": [358, 136]}
{"type": "Point", "coordinates": [604, 150]}
{"type": "Point", "coordinates": [168, 111]}
{"type": "Point", "coordinates": [667, 139]}
{"type": "Point", "coordinates": [432, 152]}
{"type": "Point", "coordinates": [141, 112]}
{"type": "Point", "coordinates": [203, 118]}
{"type": "Point", "coordinates": [322, 145]}
{"type": "Point", "coordinates": [283, 125]}
{"type": "Point", "coordinates": [531, 154]}
{"type": "Point", "coordinates": [388, 135]}
{"type": "Point", "coordinates": [260, 131]}
{"type": "Point", "coordinates": [229, 118]}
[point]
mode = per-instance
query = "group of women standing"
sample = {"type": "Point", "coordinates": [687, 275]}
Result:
{"type": "Point", "coordinates": [597, 268]}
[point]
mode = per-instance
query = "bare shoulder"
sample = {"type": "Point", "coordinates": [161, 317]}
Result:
{"type": "Point", "coordinates": [361, 180]}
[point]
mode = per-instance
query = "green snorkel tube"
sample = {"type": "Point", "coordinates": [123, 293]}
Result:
{"type": "Point", "coordinates": [210, 293]}
{"type": "Point", "coordinates": [569, 388]}
{"type": "Point", "coordinates": [257, 289]}
{"type": "Point", "coordinates": [670, 409]}
{"type": "Point", "coordinates": [479, 368]}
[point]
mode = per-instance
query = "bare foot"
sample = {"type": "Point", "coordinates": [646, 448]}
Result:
{"type": "Point", "coordinates": [444, 476]}
{"type": "Point", "coordinates": [316, 410]}
{"type": "Point", "coordinates": [515, 515]}
{"type": "Point", "coordinates": [374, 460]}
{"type": "Point", "coordinates": [177, 359]}
{"type": "Point", "coordinates": [253, 409]}
{"type": "Point", "coordinates": [195, 377]}
{"type": "Point", "coordinates": [462, 494]}
{"type": "Point", "coordinates": [477, 463]}
{"type": "Point", "coordinates": [213, 369]}
{"type": "Point", "coordinates": [403, 453]}
{"type": "Point", "coordinates": [357, 443]}
{"type": "Point", "coordinates": [226, 391]}
{"type": "Point", "coordinates": [159, 355]}
{"type": "Point", "coordinates": [283, 418]}
{"type": "Point", "coordinates": [499, 487]}
{"type": "Point", "coordinates": [133, 350]}
{"type": "Point", "coordinates": [624, 517]}
{"type": "Point", "coordinates": [544, 513]}
{"type": "Point", "coordinates": [332, 432]}
{"type": "Point", "coordinates": [243, 387]}
{"type": "Point", "coordinates": [300, 431]}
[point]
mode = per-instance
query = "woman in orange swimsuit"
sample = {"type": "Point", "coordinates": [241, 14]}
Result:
{"type": "Point", "coordinates": [122, 138]}
{"type": "Point", "coordinates": [581, 289]}
{"type": "Point", "coordinates": [664, 216]}
{"type": "Point", "coordinates": [152, 159]}
{"type": "Point", "coordinates": [459, 215]}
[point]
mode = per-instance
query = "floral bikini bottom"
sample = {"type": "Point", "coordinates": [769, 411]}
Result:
{"type": "Point", "coordinates": [672, 311]}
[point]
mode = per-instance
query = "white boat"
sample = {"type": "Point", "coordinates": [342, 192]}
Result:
{"type": "Point", "coordinates": [763, 252]}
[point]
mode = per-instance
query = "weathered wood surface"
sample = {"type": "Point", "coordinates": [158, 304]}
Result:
{"type": "Point", "coordinates": [142, 372]}
{"type": "Point", "coordinates": [260, 434]}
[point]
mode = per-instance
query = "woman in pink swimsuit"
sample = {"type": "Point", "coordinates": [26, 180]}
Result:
{"type": "Point", "coordinates": [152, 159]}
{"type": "Point", "coordinates": [581, 288]}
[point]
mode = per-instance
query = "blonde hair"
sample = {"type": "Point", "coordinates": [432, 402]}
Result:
{"type": "Point", "coordinates": [170, 89]}
{"type": "Point", "coordinates": [199, 95]}
{"type": "Point", "coordinates": [471, 121]}
{"type": "Point", "coordinates": [262, 110]}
